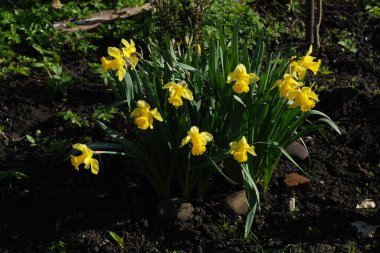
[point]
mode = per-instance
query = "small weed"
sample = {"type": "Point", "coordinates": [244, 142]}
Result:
{"type": "Point", "coordinates": [59, 247]}
{"type": "Point", "coordinates": [105, 114]}
{"type": "Point", "coordinates": [74, 118]}
{"type": "Point", "coordinates": [117, 238]}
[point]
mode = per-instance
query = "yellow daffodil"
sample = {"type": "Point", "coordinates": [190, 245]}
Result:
{"type": "Point", "coordinates": [298, 68]}
{"type": "Point", "coordinates": [177, 92]}
{"type": "Point", "coordinates": [305, 98]}
{"type": "Point", "coordinates": [144, 116]}
{"type": "Point", "coordinates": [129, 53]}
{"type": "Point", "coordinates": [239, 150]}
{"type": "Point", "coordinates": [198, 140]}
{"type": "Point", "coordinates": [287, 85]}
{"type": "Point", "coordinates": [118, 63]}
{"type": "Point", "coordinates": [86, 158]}
{"type": "Point", "coordinates": [242, 78]}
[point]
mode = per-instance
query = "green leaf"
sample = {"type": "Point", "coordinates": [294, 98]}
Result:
{"type": "Point", "coordinates": [117, 238]}
{"type": "Point", "coordinates": [237, 98]}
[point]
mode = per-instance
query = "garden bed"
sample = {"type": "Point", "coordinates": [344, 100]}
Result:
{"type": "Point", "coordinates": [57, 208]}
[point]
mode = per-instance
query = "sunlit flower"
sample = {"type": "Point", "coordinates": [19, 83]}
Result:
{"type": "Point", "coordinates": [305, 98]}
{"type": "Point", "coordinates": [118, 63]}
{"type": "Point", "coordinates": [198, 140]}
{"type": "Point", "coordinates": [242, 78]}
{"type": "Point", "coordinates": [86, 158]}
{"type": "Point", "coordinates": [177, 92]}
{"type": "Point", "coordinates": [287, 85]}
{"type": "Point", "coordinates": [298, 68]}
{"type": "Point", "coordinates": [144, 116]}
{"type": "Point", "coordinates": [129, 53]}
{"type": "Point", "coordinates": [239, 150]}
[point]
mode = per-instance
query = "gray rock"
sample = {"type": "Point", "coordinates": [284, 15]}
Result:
{"type": "Point", "coordinates": [297, 151]}
{"type": "Point", "coordinates": [237, 202]}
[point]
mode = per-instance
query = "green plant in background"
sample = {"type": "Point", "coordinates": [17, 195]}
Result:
{"type": "Point", "coordinates": [196, 108]}
{"type": "Point", "coordinates": [373, 8]}
{"type": "Point", "coordinates": [347, 41]}
{"type": "Point", "coordinates": [294, 6]}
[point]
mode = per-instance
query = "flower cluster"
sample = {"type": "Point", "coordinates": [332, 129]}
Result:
{"type": "Point", "coordinates": [291, 86]}
{"type": "Point", "coordinates": [122, 58]}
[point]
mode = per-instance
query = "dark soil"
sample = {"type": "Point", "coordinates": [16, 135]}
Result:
{"type": "Point", "coordinates": [59, 209]}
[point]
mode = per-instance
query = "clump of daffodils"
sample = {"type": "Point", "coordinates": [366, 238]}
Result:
{"type": "Point", "coordinates": [292, 86]}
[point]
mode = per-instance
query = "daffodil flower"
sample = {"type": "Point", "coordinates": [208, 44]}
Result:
{"type": "Point", "coordinates": [198, 140]}
{"type": "Point", "coordinates": [177, 92]}
{"type": "Point", "coordinates": [242, 78]}
{"type": "Point", "coordinates": [118, 63]}
{"type": "Point", "coordinates": [300, 67]}
{"type": "Point", "coordinates": [305, 98]}
{"type": "Point", "coordinates": [129, 53]}
{"type": "Point", "coordinates": [240, 149]}
{"type": "Point", "coordinates": [287, 85]}
{"type": "Point", "coordinates": [144, 116]}
{"type": "Point", "coordinates": [86, 158]}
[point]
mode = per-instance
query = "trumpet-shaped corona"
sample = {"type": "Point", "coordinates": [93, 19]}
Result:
{"type": "Point", "coordinates": [305, 98]}
{"type": "Point", "coordinates": [197, 139]}
{"type": "Point", "coordinates": [177, 92]}
{"type": "Point", "coordinates": [299, 68]}
{"type": "Point", "coordinates": [85, 158]}
{"type": "Point", "coordinates": [144, 116]}
{"type": "Point", "coordinates": [240, 149]}
{"type": "Point", "coordinates": [242, 78]}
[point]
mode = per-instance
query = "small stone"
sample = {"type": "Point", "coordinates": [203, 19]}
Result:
{"type": "Point", "coordinates": [366, 204]}
{"type": "Point", "coordinates": [295, 179]}
{"type": "Point", "coordinates": [292, 204]}
{"type": "Point", "coordinates": [185, 211]}
{"type": "Point", "coordinates": [175, 209]}
{"type": "Point", "coordinates": [237, 202]}
{"type": "Point", "coordinates": [364, 228]}
{"type": "Point", "coordinates": [297, 150]}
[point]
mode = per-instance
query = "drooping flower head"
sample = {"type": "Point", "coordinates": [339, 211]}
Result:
{"type": "Point", "coordinates": [198, 140]}
{"type": "Point", "coordinates": [242, 79]}
{"type": "Point", "coordinates": [86, 158]}
{"type": "Point", "coordinates": [298, 68]}
{"type": "Point", "coordinates": [305, 98]}
{"type": "Point", "coordinates": [240, 149]}
{"type": "Point", "coordinates": [144, 116]}
{"type": "Point", "coordinates": [287, 85]}
{"type": "Point", "coordinates": [177, 92]}
{"type": "Point", "coordinates": [118, 63]}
